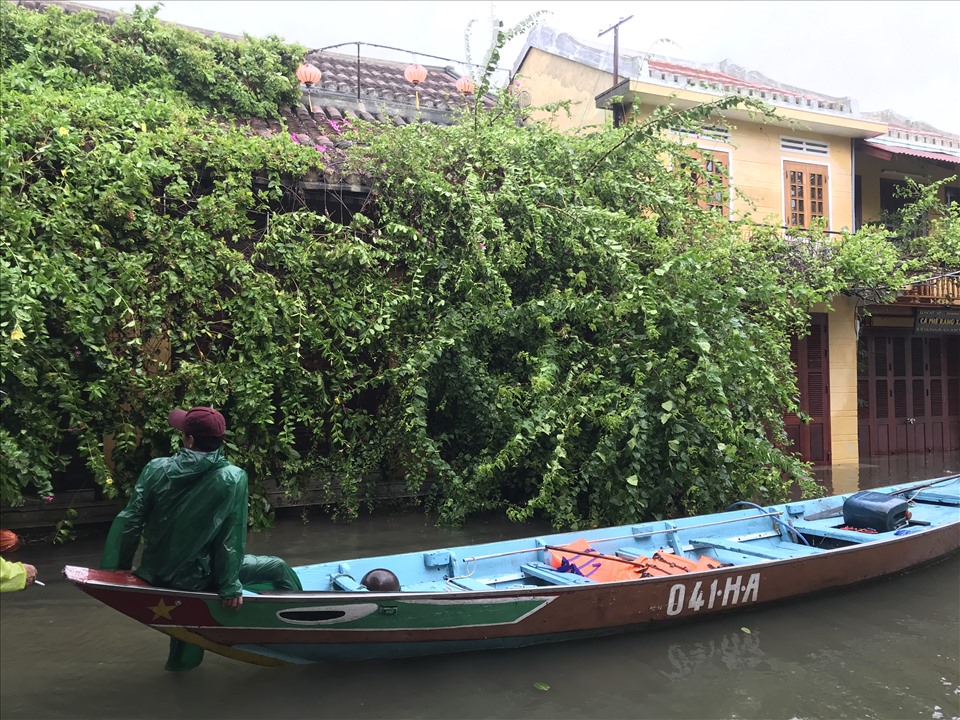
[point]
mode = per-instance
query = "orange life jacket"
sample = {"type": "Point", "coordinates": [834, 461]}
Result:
{"type": "Point", "coordinates": [578, 557]}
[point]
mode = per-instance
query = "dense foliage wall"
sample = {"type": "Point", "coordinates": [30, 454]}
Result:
{"type": "Point", "coordinates": [534, 322]}
{"type": "Point", "coordinates": [128, 215]}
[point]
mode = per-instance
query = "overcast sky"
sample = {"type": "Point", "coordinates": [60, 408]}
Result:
{"type": "Point", "coordinates": [885, 54]}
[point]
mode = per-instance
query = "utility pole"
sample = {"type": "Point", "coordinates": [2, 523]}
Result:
{"type": "Point", "coordinates": [618, 110]}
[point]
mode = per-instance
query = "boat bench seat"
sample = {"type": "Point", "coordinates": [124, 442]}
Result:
{"type": "Point", "coordinates": [799, 548]}
{"type": "Point", "coordinates": [825, 530]}
{"type": "Point", "coordinates": [757, 550]}
{"type": "Point", "coordinates": [469, 583]}
{"type": "Point", "coordinates": [545, 572]}
{"type": "Point", "coordinates": [346, 582]}
{"type": "Point", "coordinates": [937, 498]}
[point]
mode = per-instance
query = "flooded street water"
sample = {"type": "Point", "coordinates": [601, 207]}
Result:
{"type": "Point", "coordinates": [889, 649]}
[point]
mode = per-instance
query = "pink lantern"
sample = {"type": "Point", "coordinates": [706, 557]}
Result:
{"type": "Point", "coordinates": [465, 86]}
{"type": "Point", "coordinates": [415, 73]}
{"type": "Point", "coordinates": [308, 74]}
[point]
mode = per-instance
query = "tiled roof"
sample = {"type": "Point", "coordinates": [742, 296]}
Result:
{"type": "Point", "coordinates": [726, 74]}
{"type": "Point", "coordinates": [882, 143]}
{"type": "Point", "coordinates": [349, 89]}
{"type": "Point", "coordinates": [901, 122]}
{"type": "Point", "coordinates": [380, 83]}
{"type": "Point", "coordinates": [384, 96]}
{"type": "Point", "coordinates": [912, 137]}
{"type": "Point", "coordinates": [723, 77]}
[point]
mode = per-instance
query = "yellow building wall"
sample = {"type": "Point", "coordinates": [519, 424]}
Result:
{"type": "Point", "coordinates": [551, 79]}
{"type": "Point", "coordinates": [756, 171]}
{"type": "Point", "coordinates": [756, 160]}
{"type": "Point", "coordinates": [842, 354]}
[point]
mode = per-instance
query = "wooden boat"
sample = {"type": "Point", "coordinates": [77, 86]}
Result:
{"type": "Point", "coordinates": [560, 586]}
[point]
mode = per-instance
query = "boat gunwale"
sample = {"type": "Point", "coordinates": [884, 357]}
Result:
{"type": "Point", "coordinates": [459, 595]}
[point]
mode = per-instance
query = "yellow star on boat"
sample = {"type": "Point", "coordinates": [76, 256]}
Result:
{"type": "Point", "coordinates": [162, 610]}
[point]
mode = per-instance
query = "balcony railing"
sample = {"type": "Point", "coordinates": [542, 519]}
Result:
{"type": "Point", "coordinates": [939, 290]}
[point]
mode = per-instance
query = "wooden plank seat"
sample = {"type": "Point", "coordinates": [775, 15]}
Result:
{"type": "Point", "coordinates": [799, 548]}
{"type": "Point", "coordinates": [466, 583]}
{"type": "Point", "coordinates": [937, 498]}
{"type": "Point", "coordinates": [755, 549]}
{"type": "Point", "coordinates": [826, 531]}
{"type": "Point", "coordinates": [545, 572]}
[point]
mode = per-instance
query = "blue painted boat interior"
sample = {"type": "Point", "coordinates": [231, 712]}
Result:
{"type": "Point", "coordinates": [743, 536]}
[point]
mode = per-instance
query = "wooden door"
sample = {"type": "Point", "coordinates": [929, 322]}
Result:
{"type": "Point", "coordinates": [809, 432]}
{"type": "Point", "coordinates": [909, 393]}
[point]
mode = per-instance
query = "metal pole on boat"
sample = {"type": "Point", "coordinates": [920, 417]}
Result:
{"type": "Point", "coordinates": [649, 533]}
{"type": "Point", "coordinates": [928, 483]}
{"type": "Point", "coordinates": [599, 556]}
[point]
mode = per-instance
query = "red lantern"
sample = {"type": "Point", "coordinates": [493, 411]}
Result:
{"type": "Point", "coordinates": [415, 73]}
{"type": "Point", "coordinates": [465, 86]}
{"type": "Point", "coordinates": [308, 74]}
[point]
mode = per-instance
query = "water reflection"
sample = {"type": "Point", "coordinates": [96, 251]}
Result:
{"type": "Point", "coordinates": [735, 651]}
{"type": "Point", "coordinates": [881, 471]}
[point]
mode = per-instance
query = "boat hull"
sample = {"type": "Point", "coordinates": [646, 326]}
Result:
{"type": "Point", "coordinates": [279, 628]}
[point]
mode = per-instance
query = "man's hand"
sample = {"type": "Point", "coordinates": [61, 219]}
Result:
{"type": "Point", "coordinates": [31, 574]}
{"type": "Point", "coordinates": [233, 603]}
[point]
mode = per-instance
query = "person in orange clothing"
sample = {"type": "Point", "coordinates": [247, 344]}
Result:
{"type": "Point", "coordinates": [16, 576]}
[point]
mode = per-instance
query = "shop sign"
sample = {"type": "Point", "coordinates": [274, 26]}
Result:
{"type": "Point", "coordinates": [937, 322]}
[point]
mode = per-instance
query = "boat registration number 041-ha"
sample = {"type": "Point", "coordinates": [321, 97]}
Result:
{"type": "Point", "coordinates": [734, 591]}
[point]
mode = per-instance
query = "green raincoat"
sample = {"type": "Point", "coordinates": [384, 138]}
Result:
{"type": "Point", "coordinates": [13, 576]}
{"type": "Point", "coordinates": [191, 511]}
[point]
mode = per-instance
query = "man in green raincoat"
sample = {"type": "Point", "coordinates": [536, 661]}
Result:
{"type": "Point", "coordinates": [190, 510]}
{"type": "Point", "coordinates": [16, 576]}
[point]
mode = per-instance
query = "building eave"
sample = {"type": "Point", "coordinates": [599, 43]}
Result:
{"type": "Point", "coordinates": [638, 94]}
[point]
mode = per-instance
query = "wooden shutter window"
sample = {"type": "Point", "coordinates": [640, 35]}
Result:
{"type": "Point", "coordinates": [713, 174]}
{"type": "Point", "coordinates": [805, 194]}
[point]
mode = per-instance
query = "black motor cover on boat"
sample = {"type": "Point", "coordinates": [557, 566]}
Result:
{"type": "Point", "coordinates": [876, 511]}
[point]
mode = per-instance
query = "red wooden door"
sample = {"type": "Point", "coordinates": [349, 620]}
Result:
{"type": "Point", "coordinates": [809, 432]}
{"type": "Point", "coordinates": [909, 393]}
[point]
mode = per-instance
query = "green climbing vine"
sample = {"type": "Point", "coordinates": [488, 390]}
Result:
{"type": "Point", "coordinates": [521, 321]}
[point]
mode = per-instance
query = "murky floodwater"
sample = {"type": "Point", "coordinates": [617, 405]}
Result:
{"type": "Point", "coordinates": [889, 649]}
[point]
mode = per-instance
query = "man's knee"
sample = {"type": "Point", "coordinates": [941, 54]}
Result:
{"type": "Point", "coordinates": [269, 569]}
